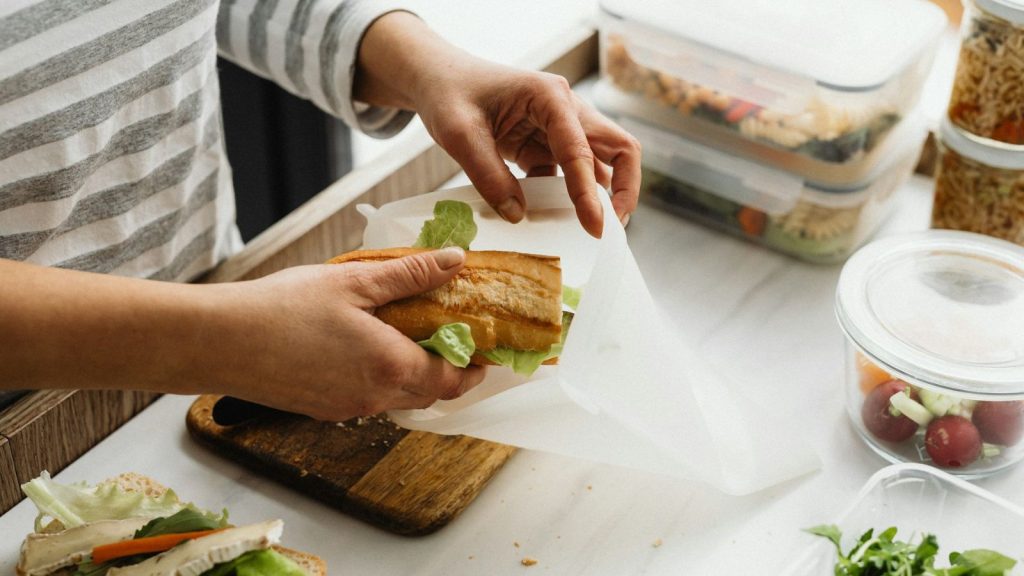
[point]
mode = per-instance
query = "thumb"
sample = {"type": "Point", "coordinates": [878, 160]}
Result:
{"type": "Point", "coordinates": [384, 282]}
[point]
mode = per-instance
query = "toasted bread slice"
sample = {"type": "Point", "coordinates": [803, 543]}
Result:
{"type": "Point", "coordinates": [508, 299]}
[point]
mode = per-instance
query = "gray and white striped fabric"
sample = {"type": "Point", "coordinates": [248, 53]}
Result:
{"type": "Point", "coordinates": [111, 157]}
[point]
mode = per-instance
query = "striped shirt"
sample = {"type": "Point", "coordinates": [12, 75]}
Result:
{"type": "Point", "coordinates": [111, 155]}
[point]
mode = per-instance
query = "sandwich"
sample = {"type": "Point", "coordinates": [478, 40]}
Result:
{"type": "Point", "coordinates": [502, 308]}
{"type": "Point", "coordinates": [131, 525]}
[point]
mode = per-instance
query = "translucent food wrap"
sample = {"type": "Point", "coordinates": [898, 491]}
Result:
{"type": "Point", "coordinates": [626, 391]}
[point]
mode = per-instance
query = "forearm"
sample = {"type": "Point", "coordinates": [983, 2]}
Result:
{"type": "Point", "coordinates": [399, 58]}
{"type": "Point", "coordinates": [67, 329]}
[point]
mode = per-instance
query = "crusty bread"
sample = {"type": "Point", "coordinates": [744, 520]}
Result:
{"type": "Point", "coordinates": [507, 298]}
{"type": "Point", "coordinates": [311, 564]}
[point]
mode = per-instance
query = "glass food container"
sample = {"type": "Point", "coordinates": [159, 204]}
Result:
{"type": "Point", "coordinates": [920, 500]}
{"type": "Point", "coordinates": [979, 187]}
{"type": "Point", "coordinates": [935, 349]}
{"type": "Point", "coordinates": [812, 86]}
{"type": "Point", "coordinates": [817, 222]}
{"type": "Point", "coordinates": [988, 90]}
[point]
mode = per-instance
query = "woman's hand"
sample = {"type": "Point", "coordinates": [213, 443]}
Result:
{"type": "Point", "coordinates": [309, 342]}
{"type": "Point", "coordinates": [482, 113]}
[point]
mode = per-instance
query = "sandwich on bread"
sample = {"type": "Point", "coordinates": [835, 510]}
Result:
{"type": "Point", "coordinates": [509, 301]}
{"type": "Point", "coordinates": [503, 308]}
{"type": "Point", "coordinates": [131, 525]}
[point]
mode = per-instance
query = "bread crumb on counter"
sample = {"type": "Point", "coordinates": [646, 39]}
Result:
{"type": "Point", "coordinates": [516, 544]}
{"type": "Point", "coordinates": [656, 543]}
{"type": "Point", "coordinates": [590, 487]}
{"type": "Point", "coordinates": [527, 561]}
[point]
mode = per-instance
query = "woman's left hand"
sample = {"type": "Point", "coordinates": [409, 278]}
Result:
{"type": "Point", "coordinates": [483, 113]}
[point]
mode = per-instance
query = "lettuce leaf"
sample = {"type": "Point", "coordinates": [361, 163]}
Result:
{"type": "Point", "coordinates": [526, 362]}
{"type": "Point", "coordinates": [257, 563]}
{"type": "Point", "coordinates": [571, 296]}
{"type": "Point", "coordinates": [454, 342]}
{"type": "Point", "coordinates": [452, 225]}
{"type": "Point", "coordinates": [77, 504]}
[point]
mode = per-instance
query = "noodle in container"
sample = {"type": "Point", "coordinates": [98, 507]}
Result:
{"type": "Point", "coordinates": [988, 92]}
{"type": "Point", "coordinates": [979, 187]}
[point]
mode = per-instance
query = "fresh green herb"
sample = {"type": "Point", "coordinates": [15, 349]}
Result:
{"type": "Point", "coordinates": [187, 519]}
{"type": "Point", "coordinates": [454, 342]}
{"type": "Point", "coordinates": [884, 555]}
{"type": "Point", "coordinates": [452, 225]}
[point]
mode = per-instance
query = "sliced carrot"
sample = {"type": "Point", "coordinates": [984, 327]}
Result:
{"type": "Point", "coordinates": [150, 545]}
{"type": "Point", "coordinates": [751, 221]}
{"type": "Point", "coordinates": [871, 376]}
{"type": "Point", "coordinates": [740, 110]}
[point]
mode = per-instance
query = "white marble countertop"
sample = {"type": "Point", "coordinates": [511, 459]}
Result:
{"type": "Point", "coordinates": [764, 319]}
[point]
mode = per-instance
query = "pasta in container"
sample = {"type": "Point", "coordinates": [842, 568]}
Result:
{"type": "Point", "coordinates": [979, 187]}
{"type": "Point", "coordinates": [814, 86]}
{"type": "Point", "coordinates": [988, 90]}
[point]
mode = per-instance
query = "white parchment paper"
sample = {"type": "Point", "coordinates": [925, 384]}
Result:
{"type": "Point", "coordinates": [626, 390]}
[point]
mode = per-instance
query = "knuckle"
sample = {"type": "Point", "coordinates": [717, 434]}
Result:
{"type": "Point", "coordinates": [418, 269]}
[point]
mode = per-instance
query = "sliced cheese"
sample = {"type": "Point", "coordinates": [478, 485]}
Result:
{"type": "Point", "coordinates": [193, 557]}
{"type": "Point", "coordinates": [43, 554]}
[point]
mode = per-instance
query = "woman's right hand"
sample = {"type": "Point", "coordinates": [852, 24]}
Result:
{"type": "Point", "coordinates": [305, 339]}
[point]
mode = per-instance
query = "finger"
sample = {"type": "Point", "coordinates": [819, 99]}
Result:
{"type": "Point", "coordinates": [603, 173]}
{"type": "Point", "coordinates": [383, 282]}
{"type": "Point", "coordinates": [618, 149]}
{"type": "Point", "coordinates": [542, 171]}
{"type": "Point", "coordinates": [532, 155]}
{"type": "Point", "coordinates": [472, 145]}
{"type": "Point", "coordinates": [439, 379]}
{"type": "Point", "coordinates": [571, 150]}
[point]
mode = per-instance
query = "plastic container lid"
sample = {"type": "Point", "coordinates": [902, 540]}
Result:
{"type": "Point", "coordinates": [1009, 10]}
{"type": "Point", "coordinates": [942, 308]}
{"type": "Point", "coordinates": [766, 188]}
{"type": "Point", "coordinates": [988, 152]}
{"type": "Point", "coordinates": [841, 44]}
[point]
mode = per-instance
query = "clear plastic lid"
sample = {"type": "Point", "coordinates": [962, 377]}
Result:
{"type": "Point", "coordinates": [1009, 10]}
{"type": "Point", "coordinates": [988, 152]}
{"type": "Point", "coordinates": [837, 43]}
{"type": "Point", "coordinates": [943, 308]}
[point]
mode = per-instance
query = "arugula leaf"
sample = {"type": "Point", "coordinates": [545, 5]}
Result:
{"type": "Point", "coordinates": [884, 555]}
{"type": "Point", "coordinates": [454, 342]}
{"type": "Point", "coordinates": [452, 225]}
{"type": "Point", "coordinates": [185, 520]}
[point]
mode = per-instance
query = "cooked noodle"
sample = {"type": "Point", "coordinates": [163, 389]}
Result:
{"type": "Point", "coordinates": [988, 93]}
{"type": "Point", "coordinates": [978, 198]}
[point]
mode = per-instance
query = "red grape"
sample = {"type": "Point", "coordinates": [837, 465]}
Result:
{"type": "Point", "coordinates": [952, 441]}
{"type": "Point", "coordinates": [1000, 422]}
{"type": "Point", "coordinates": [878, 418]}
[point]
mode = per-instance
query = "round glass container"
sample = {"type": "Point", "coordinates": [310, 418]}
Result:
{"type": "Point", "coordinates": [988, 90]}
{"type": "Point", "coordinates": [935, 349]}
{"type": "Point", "coordinates": [979, 187]}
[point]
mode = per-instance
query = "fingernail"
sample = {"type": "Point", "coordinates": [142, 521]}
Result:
{"type": "Point", "coordinates": [625, 219]}
{"type": "Point", "coordinates": [450, 257]}
{"type": "Point", "coordinates": [511, 209]}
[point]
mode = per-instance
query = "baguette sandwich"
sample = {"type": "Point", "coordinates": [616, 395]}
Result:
{"type": "Point", "coordinates": [509, 300]}
{"type": "Point", "coordinates": [503, 308]}
{"type": "Point", "coordinates": [131, 525]}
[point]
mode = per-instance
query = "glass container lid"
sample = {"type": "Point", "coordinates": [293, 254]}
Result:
{"type": "Point", "coordinates": [943, 307]}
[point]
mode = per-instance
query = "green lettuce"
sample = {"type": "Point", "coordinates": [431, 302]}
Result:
{"type": "Point", "coordinates": [77, 504]}
{"type": "Point", "coordinates": [571, 296]}
{"type": "Point", "coordinates": [452, 225]}
{"type": "Point", "coordinates": [257, 563]}
{"type": "Point", "coordinates": [526, 362]}
{"type": "Point", "coordinates": [454, 342]}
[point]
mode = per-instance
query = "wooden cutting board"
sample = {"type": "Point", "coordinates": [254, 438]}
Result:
{"type": "Point", "coordinates": [407, 482]}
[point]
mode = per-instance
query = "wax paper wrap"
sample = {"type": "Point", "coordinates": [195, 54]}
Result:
{"type": "Point", "coordinates": [626, 390]}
